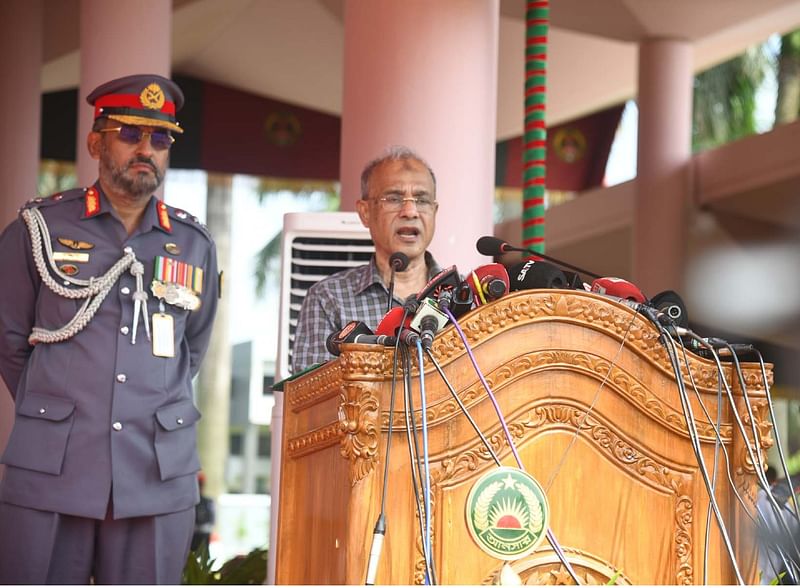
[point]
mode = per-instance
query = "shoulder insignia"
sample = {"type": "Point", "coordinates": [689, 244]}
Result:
{"type": "Point", "coordinates": [187, 219]}
{"type": "Point", "coordinates": [53, 199]}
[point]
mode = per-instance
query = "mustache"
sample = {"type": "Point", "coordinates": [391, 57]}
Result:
{"type": "Point", "coordinates": [145, 160]}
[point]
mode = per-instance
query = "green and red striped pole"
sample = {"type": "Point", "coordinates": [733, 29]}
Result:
{"type": "Point", "coordinates": [534, 147]}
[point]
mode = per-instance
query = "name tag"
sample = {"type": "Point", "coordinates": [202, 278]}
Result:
{"type": "Point", "coordinates": [73, 256]}
{"type": "Point", "coordinates": [163, 335]}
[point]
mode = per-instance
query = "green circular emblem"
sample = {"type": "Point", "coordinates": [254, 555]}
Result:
{"type": "Point", "coordinates": [507, 513]}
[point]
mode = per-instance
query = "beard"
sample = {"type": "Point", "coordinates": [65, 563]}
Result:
{"type": "Point", "coordinates": [136, 184]}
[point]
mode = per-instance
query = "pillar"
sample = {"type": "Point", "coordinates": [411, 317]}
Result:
{"type": "Point", "coordinates": [21, 23]}
{"type": "Point", "coordinates": [424, 74]}
{"type": "Point", "coordinates": [663, 188]}
{"type": "Point", "coordinates": [118, 39]}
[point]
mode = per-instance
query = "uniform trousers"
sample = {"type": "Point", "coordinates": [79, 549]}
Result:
{"type": "Point", "coordinates": [38, 547]}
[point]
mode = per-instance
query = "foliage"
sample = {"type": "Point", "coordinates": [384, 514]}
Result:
{"type": "Point", "coordinates": [241, 570]}
{"type": "Point", "coordinates": [321, 196]}
{"type": "Point", "coordinates": [725, 99]}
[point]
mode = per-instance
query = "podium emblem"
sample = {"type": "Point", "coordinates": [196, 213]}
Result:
{"type": "Point", "coordinates": [507, 513]}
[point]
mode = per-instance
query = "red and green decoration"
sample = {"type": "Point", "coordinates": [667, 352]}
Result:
{"type": "Point", "coordinates": [535, 136]}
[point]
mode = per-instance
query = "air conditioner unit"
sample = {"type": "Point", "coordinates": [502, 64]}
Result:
{"type": "Point", "coordinates": [314, 245]}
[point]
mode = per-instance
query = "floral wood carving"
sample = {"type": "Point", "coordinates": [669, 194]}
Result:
{"type": "Point", "coordinates": [314, 440]}
{"type": "Point", "coordinates": [576, 307]}
{"type": "Point", "coordinates": [591, 365]}
{"type": "Point", "coordinates": [317, 386]}
{"type": "Point", "coordinates": [358, 415]}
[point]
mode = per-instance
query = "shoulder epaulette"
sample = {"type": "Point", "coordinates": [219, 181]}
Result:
{"type": "Point", "coordinates": [188, 219]}
{"type": "Point", "coordinates": [56, 198]}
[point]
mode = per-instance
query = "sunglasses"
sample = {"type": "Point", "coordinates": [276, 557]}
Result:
{"type": "Point", "coordinates": [133, 135]}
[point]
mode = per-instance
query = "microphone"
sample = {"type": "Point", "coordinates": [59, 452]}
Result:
{"type": "Point", "coordinates": [488, 282]}
{"type": "Point", "coordinates": [619, 288]}
{"type": "Point", "coordinates": [447, 279]}
{"type": "Point", "coordinates": [672, 305]}
{"type": "Point", "coordinates": [355, 332]}
{"type": "Point", "coordinates": [493, 246]}
{"type": "Point", "coordinates": [390, 327]}
{"type": "Point", "coordinates": [428, 321]}
{"type": "Point", "coordinates": [398, 262]}
{"type": "Point", "coordinates": [532, 275]}
{"type": "Point", "coordinates": [463, 299]}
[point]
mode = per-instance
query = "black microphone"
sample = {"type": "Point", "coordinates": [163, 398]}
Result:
{"type": "Point", "coordinates": [494, 246]}
{"type": "Point", "coordinates": [355, 332]}
{"type": "Point", "coordinates": [672, 305]}
{"type": "Point", "coordinates": [398, 262]}
{"type": "Point", "coordinates": [532, 275]}
{"type": "Point", "coordinates": [428, 327]}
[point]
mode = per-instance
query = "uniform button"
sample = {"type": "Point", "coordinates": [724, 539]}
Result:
{"type": "Point", "coordinates": [125, 290]}
{"type": "Point", "coordinates": [117, 426]}
{"type": "Point", "coordinates": [124, 330]}
{"type": "Point", "coordinates": [122, 378]}
{"type": "Point", "coordinates": [179, 420]}
{"type": "Point", "coordinates": [42, 410]}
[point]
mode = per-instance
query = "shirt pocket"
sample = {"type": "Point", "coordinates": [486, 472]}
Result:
{"type": "Point", "coordinates": [41, 432]}
{"type": "Point", "coordinates": [176, 439]}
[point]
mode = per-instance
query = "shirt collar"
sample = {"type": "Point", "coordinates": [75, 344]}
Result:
{"type": "Point", "coordinates": [371, 276]}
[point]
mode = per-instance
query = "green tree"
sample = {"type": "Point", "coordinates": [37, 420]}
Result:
{"type": "Point", "coordinates": [725, 99]}
{"type": "Point", "coordinates": [787, 104]}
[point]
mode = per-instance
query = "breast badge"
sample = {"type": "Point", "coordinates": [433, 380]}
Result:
{"type": "Point", "coordinates": [74, 244]}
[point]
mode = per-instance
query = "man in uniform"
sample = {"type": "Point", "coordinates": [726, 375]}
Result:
{"type": "Point", "coordinates": [398, 206]}
{"type": "Point", "coordinates": [106, 310]}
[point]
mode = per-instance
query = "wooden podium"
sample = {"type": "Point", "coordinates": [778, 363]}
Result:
{"type": "Point", "coordinates": [625, 492]}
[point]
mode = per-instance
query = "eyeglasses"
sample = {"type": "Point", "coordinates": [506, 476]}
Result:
{"type": "Point", "coordinates": [132, 135]}
{"type": "Point", "coordinates": [396, 203]}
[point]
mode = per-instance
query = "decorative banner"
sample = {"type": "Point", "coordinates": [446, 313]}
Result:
{"type": "Point", "coordinates": [535, 137]}
{"type": "Point", "coordinates": [507, 513]}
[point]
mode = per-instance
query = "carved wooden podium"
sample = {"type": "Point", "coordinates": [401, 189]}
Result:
{"type": "Point", "coordinates": [625, 492]}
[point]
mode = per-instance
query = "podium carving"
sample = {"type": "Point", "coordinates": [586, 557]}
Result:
{"type": "Point", "coordinates": [593, 408]}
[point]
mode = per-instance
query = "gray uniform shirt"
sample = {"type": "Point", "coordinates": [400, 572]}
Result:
{"type": "Point", "coordinates": [98, 417]}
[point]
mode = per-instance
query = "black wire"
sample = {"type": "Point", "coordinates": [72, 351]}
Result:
{"type": "Point", "coordinates": [669, 344]}
{"type": "Point", "coordinates": [413, 450]}
{"type": "Point", "coordinates": [463, 408]}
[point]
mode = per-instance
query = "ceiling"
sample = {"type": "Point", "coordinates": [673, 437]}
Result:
{"type": "Point", "coordinates": [292, 50]}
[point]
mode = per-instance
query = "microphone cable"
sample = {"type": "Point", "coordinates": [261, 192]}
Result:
{"type": "Point", "coordinates": [413, 453]}
{"type": "Point", "coordinates": [718, 445]}
{"type": "Point", "coordinates": [379, 532]}
{"type": "Point", "coordinates": [426, 486]}
{"type": "Point", "coordinates": [670, 346]}
{"type": "Point", "coordinates": [778, 445]}
{"type": "Point", "coordinates": [551, 538]}
{"type": "Point", "coordinates": [740, 426]}
{"type": "Point", "coordinates": [463, 408]}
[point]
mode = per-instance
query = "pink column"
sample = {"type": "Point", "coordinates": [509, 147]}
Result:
{"type": "Point", "coordinates": [664, 152]}
{"type": "Point", "coordinates": [424, 74]}
{"type": "Point", "coordinates": [118, 39]}
{"type": "Point", "coordinates": [20, 104]}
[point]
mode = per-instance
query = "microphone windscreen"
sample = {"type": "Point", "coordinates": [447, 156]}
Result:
{"type": "Point", "coordinates": [672, 305]}
{"type": "Point", "coordinates": [347, 334]}
{"type": "Point", "coordinates": [490, 246]}
{"type": "Point", "coordinates": [398, 261]}
{"type": "Point", "coordinates": [447, 279]}
{"type": "Point", "coordinates": [619, 288]}
{"type": "Point", "coordinates": [390, 323]}
{"type": "Point", "coordinates": [488, 282]}
{"type": "Point", "coordinates": [532, 275]}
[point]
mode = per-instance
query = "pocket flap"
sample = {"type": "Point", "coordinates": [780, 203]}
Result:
{"type": "Point", "coordinates": [43, 406]}
{"type": "Point", "coordinates": [177, 415]}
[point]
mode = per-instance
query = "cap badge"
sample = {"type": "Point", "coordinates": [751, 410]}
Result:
{"type": "Point", "coordinates": [152, 97]}
{"type": "Point", "coordinates": [172, 248]}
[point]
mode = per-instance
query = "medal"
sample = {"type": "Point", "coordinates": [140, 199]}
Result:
{"type": "Point", "coordinates": [177, 283]}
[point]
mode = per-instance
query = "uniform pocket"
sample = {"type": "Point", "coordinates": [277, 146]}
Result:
{"type": "Point", "coordinates": [41, 431]}
{"type": "Point", "coordinates": [176, 439]}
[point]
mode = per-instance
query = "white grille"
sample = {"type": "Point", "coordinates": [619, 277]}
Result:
{"type": "Point", "coordinates": [314, 245]}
